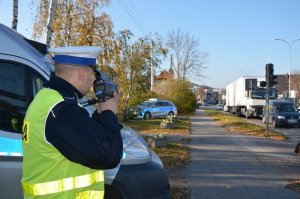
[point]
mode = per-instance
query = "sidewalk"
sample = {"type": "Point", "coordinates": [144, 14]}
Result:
{"type": "Point", "coordinates": [233, 166]}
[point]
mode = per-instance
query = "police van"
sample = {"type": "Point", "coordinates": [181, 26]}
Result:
{"type": "Point", "coordinates": [24, 67]}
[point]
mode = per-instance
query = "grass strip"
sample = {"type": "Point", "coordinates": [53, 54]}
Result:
{"type": "Point", "coordinates": [240, 125]}
{"type": "Point", "coordinates": [178, 192]}
{"type": "Point", "coordinates": [173, 155]}
{"type": "Point", "coordinates": [181, 126]}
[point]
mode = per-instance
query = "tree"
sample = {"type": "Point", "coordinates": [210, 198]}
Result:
{"type": "Point", "coordinates": [75, 22]}
{"type": "Point", "coordinates": [78, 23]}
{"type": "Point", "coordinates": [15, 14]}
{"type": "Point", "coordinates": [133, 64]}
{"type": "Point", "coordinates": [50, 22]}
{"type": "Point", "coordinates": [189, 59]}
{"type": "Point", "coordinates": [200, 94]}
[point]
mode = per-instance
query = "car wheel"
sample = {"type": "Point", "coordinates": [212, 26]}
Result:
{"type": "Point", "coordinates": [147, 116]}
{"type": "Point", "coordinates": [274, 123]}
{"type": "Point", "coordinates": [171, 113]}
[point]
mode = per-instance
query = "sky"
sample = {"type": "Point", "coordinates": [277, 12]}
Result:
{"type": "Point", "coordinates": [239, 35]}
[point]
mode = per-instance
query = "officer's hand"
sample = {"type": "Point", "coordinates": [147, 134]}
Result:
{"type": "Point", "coordinates": [111, 104]}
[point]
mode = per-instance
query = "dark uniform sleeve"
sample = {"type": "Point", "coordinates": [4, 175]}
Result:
{"type": "Point", "coordinates": [93, 142]}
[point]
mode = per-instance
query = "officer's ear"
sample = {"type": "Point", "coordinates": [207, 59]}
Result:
{"type": "Point", "coordinates": [82, 73]}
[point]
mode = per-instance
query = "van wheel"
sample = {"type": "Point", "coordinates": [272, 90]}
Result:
{"type": "Point", "coordinates": [147, 116]}
{"type": "Point", "coordinates": [274, 123]}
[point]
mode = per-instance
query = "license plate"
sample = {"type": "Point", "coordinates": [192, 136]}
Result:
{"type": "Point", "coordinates": [292, 121]}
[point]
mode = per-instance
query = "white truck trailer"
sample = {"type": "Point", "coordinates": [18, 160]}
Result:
{"type": "Point", "coordinates": [245, 97]}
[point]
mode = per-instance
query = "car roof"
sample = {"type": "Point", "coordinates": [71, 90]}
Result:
{"type": "Point", "coordinates": [157, 101]}
{"type": "Point", "coordinates": [278, 102]}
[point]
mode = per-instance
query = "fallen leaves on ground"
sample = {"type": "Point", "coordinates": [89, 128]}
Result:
{"type": "Point", "coordinates": [173, 155]}
{"type": "Point", "coordinates": [239, 125]}
{"type": "Point", "coordinates": [294, 184]}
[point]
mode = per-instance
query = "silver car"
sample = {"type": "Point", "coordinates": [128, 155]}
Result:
{"type": "Point", "coordinates": [154, 108]}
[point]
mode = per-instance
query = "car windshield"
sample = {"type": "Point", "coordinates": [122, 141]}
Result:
{"type": "Point", "coordinates": [285, 108]}
{"type": "Point", "coordinates": [146, 104]}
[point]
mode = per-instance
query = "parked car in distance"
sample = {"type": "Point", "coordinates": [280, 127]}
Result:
{"type": "Point", "coordinates": [282, 113]}
{"type": "Point", "coordinates": [219, 106]}
{"type": "Point", "coordinates": [153, 108]}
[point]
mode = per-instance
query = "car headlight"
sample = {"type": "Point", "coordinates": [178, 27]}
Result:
{"type": "Point", "coordinates": [281, 117]}
{"type": "Point", "coordinates": [134, 145]}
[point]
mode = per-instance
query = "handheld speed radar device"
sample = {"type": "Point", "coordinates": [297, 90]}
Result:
{"type": "Point", "coordinates": [104, 88]}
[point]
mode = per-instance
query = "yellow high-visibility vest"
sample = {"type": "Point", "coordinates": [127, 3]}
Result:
{"type": "Point", "coordinates": [46, 172]}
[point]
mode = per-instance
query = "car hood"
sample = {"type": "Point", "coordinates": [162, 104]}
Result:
{"type": "Point", "coordinates": [289, 114]}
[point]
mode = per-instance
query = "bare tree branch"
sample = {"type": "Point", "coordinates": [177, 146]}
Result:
{"type": "Point", "coordinates": [189, 59]}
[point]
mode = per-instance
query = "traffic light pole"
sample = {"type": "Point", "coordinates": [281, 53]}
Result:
{"type": "Point", "coordinates": [269, 83]}
{"type": "Point", "coordinates": [267, 109]}
{"type": "Point", "coordinates": [268, 67]}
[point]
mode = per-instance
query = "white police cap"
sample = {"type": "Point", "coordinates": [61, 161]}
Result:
{"type": "Point", "coordinates": [75, 55]}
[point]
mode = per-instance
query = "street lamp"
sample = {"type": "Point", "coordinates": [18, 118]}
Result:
{"type": "Point", "coordinates": [290, 60]}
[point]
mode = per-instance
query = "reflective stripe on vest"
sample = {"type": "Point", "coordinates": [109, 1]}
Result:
{"type": "Point", "coordinates": [65, 185]}
{"type": "Point", "coordinates": [90, 194]}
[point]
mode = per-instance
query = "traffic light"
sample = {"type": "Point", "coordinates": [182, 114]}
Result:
{"type": "Point", "coordinates": [270, 77]}
{"type": "Point", "coordinates": [272, 80]}
{"type": "Point", "coordinates": [262, 84]}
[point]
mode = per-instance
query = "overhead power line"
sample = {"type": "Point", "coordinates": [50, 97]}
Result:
{"type": "Point", "coordinates": [134, 16]}
{"type": "Point", "coordinates": [139, 16]}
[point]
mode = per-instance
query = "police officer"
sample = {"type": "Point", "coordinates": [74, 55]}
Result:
{"type": "Point", "coordinates": [66, 149]}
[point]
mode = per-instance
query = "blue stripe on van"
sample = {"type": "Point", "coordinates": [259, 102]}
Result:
{"type": "Point", "coordinates": [10, 147]}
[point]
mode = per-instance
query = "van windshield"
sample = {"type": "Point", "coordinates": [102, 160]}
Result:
{"type": "Point", "coordinates": [285, 108]}
{"type": "Point", "coordinates": [258, 95]}
{"type": "Point", "coordinates": [261, 93]}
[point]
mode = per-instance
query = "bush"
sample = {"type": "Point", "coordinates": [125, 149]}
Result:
{"type": "Point", "coordinates": [179, 93]}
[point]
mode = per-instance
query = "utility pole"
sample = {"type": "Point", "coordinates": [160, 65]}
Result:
{"type": "Point", "coordinates": [152, 69]}
{"type": "Point", "coordinates": [152, 78]}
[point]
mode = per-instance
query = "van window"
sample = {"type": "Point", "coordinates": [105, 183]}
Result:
{"type": "Point", "coordinates": [12, 97]}
{"type": "Point", "coordinates": [18, 85]}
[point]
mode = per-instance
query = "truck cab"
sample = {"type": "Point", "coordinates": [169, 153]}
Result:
{"type": "Point", "coordinates": [246, 98]}
{"type": "Point", "coordinates": [24, 67]}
